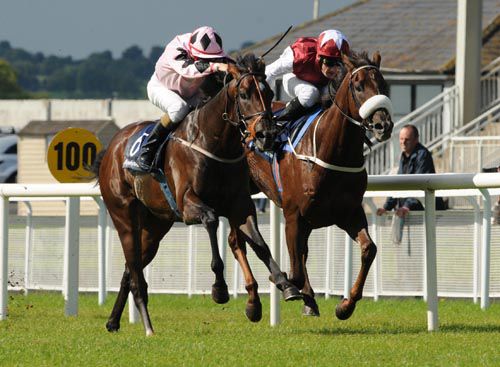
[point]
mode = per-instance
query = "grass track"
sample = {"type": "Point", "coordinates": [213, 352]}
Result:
{"type": "Point", "coordinates": [198, 332]}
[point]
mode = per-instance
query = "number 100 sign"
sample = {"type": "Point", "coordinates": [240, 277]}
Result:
{"type": "Point", "coordinates": [70, 152]}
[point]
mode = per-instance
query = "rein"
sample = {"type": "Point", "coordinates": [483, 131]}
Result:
{"type": "Point", "coordinates": [354, 121]}
{"type": "Point", "coordinates": [206, 152]}
{"type": "Point", "coordinates": [242, 119]}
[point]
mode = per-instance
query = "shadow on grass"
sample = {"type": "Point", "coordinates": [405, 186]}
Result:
{"type": "Point", "coordinates": [391, 330]}
{"type": "Point", "coordinates": [367, 331]}
{"type": "Point", "coordinates": [463, 328]}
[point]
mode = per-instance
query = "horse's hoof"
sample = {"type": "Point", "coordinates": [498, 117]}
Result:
{"type": "Point", "coordinates": [310, 311]}
{"type": "Point", "coordinates": [292, 293]}
{"type": "Point", "coordinates": [345, 309]}
{"type": "Point", "coordinates": [112, 327]}
{"type": "Point", "coordinates": [254, 311]}
{"type": "Point", "coordinates": [220, 293]}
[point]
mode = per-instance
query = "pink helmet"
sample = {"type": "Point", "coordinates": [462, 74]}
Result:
{"type": "Point", "coordinates": [206, 43]}
{"type": "Point", "coordinates": [332, 43]}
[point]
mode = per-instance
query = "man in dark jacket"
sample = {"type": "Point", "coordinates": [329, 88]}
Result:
{"type": "Point", "coordinates": [415, 158]}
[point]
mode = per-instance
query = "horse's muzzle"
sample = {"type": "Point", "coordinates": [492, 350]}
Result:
{"type": "Point", "coordinates": [381, 124]}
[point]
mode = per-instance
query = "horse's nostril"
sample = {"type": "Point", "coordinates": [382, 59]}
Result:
{"type": "Point", "coordinates": [378, 126]}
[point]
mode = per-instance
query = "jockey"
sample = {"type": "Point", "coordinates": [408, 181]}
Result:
{"type": "Point", "coordinates": [307, 66]}
{"type": "Point", "coordinates": [174, 85]}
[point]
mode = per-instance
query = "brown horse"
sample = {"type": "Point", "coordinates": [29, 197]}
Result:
{"type": "Point", "coordinates": [324, 180]}
{"type": "Point", "coordinates": [207, 175]}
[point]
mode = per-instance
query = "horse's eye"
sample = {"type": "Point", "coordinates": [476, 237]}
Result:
{"type": "Point", "coordinates": [243, 95]}
{"type": "Point", "coordinates": [358, 87]}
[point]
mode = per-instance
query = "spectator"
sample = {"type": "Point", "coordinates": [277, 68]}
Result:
{"type": "Point", "coordinates": [415, 158]}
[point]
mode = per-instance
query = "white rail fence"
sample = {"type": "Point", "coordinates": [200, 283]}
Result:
{"type": "Point", "coordinates": [183, 262]}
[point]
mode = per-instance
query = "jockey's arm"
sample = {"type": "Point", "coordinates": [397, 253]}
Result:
{"type": "Point", "coordinates": [281, 66]}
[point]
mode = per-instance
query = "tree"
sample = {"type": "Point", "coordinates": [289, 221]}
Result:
{"type": "Point", "coordinates": [9, 89]}
{"type": "Point", "coordinates": [133, 53]}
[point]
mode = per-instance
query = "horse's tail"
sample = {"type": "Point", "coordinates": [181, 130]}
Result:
{"type": "Point", "coordinates": [94, 168]}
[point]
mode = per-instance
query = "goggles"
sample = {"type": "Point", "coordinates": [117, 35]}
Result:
{"type": "Point", "coordinates": [330, 61]}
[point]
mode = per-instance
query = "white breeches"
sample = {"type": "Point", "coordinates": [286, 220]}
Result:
{"type": "Point", "coordinates": [166, 100]}
{"type": "Point", "coordinates": [306, 92]}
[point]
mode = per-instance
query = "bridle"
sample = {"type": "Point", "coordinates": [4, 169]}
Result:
{"type": "Point", "coordinates": [242, 119]}
{"type": "Point", "coordinates": [365, 124]}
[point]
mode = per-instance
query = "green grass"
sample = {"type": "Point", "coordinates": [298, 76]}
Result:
{"type": "Point", "coordinates": [198, 332]}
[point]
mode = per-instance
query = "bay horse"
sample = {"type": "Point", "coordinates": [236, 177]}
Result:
{"type": "Point", "coordinates": [323, 179]}
{"type": "Point", "coordinates": [208, 176]}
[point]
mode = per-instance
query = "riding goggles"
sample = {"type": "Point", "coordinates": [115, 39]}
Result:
{"type": "Point", "coordinates": [330, 62]}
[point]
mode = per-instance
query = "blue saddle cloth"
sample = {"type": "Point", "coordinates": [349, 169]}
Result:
{"type": "Point", "coordinates": [294, 130]}
{"type": "Point", "coordinates": [134, 145]}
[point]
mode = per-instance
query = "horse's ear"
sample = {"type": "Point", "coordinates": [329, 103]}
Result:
{"type": "Point", "coordinates": [347, 62]}
{"type": "Point", "coordinates": [376, 58]}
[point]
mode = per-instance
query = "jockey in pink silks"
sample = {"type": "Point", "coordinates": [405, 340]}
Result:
{"type": "Point", "coordinates": [307, 66]}
{"type": "Point", "coordinates": [174, 85]}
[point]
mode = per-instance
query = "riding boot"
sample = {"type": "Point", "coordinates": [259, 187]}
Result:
{"type": "Point", "coordinates": [156, 136]}
{"type": "Point", "coordinates": [292, 111]}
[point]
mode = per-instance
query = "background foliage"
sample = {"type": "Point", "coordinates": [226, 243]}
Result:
{"type": "Point", "coordinates": [98, 76]}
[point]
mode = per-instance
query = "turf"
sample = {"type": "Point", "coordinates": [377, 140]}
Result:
{"type": "Point", "coordinates": [198, 332]}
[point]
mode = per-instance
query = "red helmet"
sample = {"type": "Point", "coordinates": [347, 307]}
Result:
{"type": "Point", "coordinates": [205, 43]}
{"type": "Point", "coordinates": [332, 44]}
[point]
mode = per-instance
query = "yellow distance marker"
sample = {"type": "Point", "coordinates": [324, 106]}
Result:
{"type": "Point", "coordinates": [70, 151]}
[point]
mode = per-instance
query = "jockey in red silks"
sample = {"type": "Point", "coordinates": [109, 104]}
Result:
{"type": "Point", "coordinates": [174, 86]}
{"type": "Point", "coordinates": [307, 66]}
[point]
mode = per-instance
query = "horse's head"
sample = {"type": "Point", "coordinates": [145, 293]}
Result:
{"type": "Point", "coordinates": [368, 94]}
{"type": "Point", "coordinates": [252, 97]}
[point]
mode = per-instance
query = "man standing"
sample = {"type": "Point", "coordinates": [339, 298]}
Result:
{"type": "Point", "coordinates": [415, 158]}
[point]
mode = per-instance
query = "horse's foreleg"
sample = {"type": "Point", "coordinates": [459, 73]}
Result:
{"type": "Point", "coordinates": [195, 209]}
{"type": "Point", "coordinates": [297, 234]}
{"type": "Point", "coordinates": [113, 323]}
{"type": "Point", "coordinates": [253, 309]}
{"type": "Point", "coordinates": [368, 251]}
{"type": "Point", "coordinates": [252, 235]}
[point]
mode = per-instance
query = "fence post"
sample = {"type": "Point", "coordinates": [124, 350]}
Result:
{"type": "Point", "coordinates": [485, 250]}
{"type": "Point", "coordinates": [72, 248]}
{"type": "Point", "coordinates": [475, 249]}
{"type": "Point", "coordinates": [430, 254]}
{"type": "Point", "coordinates": [275, 252]}
{"type": "Point", "coordinates": [4, 255]}
{"type": "Point", "coordinates": [191, 261]}
{"type": "Point", "coordinates": [347, 266]}
{"type": "Point", "coordinates": [27, 245]}
{"type": "Point", "coordinates": [223, 232]}
{"type": "Point", "coordinates": [329, 264]}
{"type": "Point", "coordinates": [374, 236]}
{"type": "Point", "coordinates": [102, 219]}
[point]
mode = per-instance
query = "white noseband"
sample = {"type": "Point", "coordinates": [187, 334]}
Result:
{"type": "Point", "coordinates": [375, 103]}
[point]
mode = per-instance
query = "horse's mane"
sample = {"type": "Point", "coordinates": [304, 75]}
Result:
{"type": "Point", "coordinates": [250, 63]}
{"type": "Point", "coordinates": [357, 59]}
{"type": "Point", "coordinates": [214, 83]}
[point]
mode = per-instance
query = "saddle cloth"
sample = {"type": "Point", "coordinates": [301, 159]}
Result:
{"type": "Point", "coordinates": [134, 145]}
{"type": "Point", "coordinates": [132, 150]}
